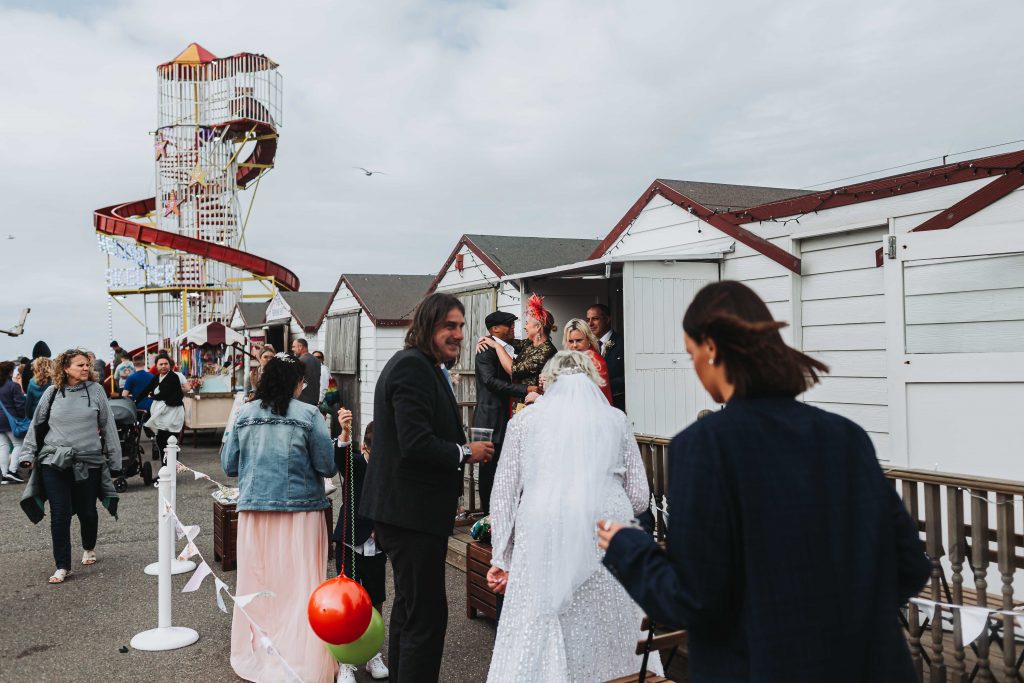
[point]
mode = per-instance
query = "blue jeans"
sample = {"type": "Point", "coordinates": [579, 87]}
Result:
{"type": "Point", "coordinates": [68, 497]}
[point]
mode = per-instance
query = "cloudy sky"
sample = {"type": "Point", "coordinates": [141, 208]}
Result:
{"type": "Point", "coordinates": [541, 117]}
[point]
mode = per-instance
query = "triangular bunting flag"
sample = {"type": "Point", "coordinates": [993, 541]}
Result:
{"type": "Point", "coordinates": [200, 475]}
{"type": "Point", "coordinates": [243, 600]}
{"type": "Point", "coordinates": [973, 620]}
{"type": "Point", "coordinates": [190, 550]}
{"type": "Point", "coordinates": [190, 531]}
{"type": "Point", "coordinates": [201, 572]}
{"type": "Point", "coordinates": [221, 586]}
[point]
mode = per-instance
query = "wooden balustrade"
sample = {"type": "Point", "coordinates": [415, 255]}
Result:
{"type": "Point", "coordinates": [968, 525]}
{"type": "Point", "coordinates": [957, 528]}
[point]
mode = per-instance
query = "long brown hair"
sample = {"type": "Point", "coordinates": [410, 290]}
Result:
{"type": "Point", "coordinates": [756, 359]}
{"type": "Point", "coordinates": [42, 370]}
{"type": "Point", "coordinates": [431, 312]}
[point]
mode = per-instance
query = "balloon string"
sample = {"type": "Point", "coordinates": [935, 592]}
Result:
{"type": "Point", "coordinates": [352, 505]}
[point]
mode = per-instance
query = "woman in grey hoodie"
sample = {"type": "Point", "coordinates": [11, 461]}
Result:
{"type": "Point", "coordinates": [73, 446]}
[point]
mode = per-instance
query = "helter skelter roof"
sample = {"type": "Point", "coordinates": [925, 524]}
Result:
{"type": "Point", "coordinates": [200, 59]}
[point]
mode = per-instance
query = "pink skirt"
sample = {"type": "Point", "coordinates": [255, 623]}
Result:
{"type": "Point", "coordinates": [285, 553]}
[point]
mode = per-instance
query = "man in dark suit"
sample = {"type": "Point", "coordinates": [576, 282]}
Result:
{"type": "Point", "coordinates": [599, 317]}
{"type": "Point", "coordinates": [494, 391]}
{"type": "Point", "coordinates": [413, 481]}
{"type": "Point", "coordinates": [310, 372]}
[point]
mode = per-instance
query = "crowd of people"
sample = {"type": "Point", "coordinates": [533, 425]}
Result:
{"type": "Point", "coordinates": [774, 503]}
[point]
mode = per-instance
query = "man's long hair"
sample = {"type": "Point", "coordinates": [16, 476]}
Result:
{"type": "Point", "coordinates": [431, 312]}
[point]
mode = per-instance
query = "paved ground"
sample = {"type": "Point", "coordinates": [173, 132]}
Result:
{"type": "Point", "coordinates": [73, 632]}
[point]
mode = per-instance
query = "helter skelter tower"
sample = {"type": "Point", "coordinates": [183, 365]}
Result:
{"type": "Point", "coordinates": [216, 135]}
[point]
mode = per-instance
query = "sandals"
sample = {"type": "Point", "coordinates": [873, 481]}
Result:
{"type": "Point", "coordinates": [88, 557]}
{"type": "Point", "coordinates": [60, 576]}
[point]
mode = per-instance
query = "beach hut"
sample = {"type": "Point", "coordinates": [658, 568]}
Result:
{"type": "Point", "coordinates": [295, 315]}
{"type": "Point", "coordinates": [476, 271]}
{"type": "Point", "coordinates": [366, 322]}
{"type": "Point", "coordinates": [910, 287]}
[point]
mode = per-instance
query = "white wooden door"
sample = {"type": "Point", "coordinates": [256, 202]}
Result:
{"type": "Point", "coordinates": [663, 394]}
{"type": "Point", "coordinates": [955, 326]}
{"type": "Point", "coordinates": [842, 323]}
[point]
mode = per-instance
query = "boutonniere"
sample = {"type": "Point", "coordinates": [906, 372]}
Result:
{"type": "Point", "coordinates": [609, 344]}
{"type": "Point", "coordinates": [456, 377]}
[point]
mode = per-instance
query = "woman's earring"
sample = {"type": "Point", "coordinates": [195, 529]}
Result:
{"type": "Point", "coordinates": [711, 361]}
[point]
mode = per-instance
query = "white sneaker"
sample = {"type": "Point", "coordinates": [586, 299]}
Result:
{"type": "Point", "coordinates": [375, 667]}
{"type": "Point", "coordinates": [346, 674]}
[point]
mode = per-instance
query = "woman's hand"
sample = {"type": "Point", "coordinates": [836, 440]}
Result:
{"type": "Point", "coordinates": [606, 532]}
{"type": "Point", "coordinates": [531, 397]}
{"type": "Point", "coordinates": [497, 580]}
{"type": "Point", "coordinates": [485, 343]}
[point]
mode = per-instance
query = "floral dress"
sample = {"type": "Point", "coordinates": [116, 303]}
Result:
{"type": "Point", "coordinates": [530, 361]}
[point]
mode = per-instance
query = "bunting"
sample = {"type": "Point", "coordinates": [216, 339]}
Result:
{"type": "Point", "coordinates": [973, 620]}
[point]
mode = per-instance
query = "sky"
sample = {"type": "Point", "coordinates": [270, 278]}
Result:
{"type": "Point", "coordinates": [540, 117]}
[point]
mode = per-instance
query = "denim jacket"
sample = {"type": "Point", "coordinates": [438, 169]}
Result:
{"type": "Point", "coordinates": [280, 460]}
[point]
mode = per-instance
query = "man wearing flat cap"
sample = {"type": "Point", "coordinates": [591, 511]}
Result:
{"type": "Point", "coordinates": [495, 394]}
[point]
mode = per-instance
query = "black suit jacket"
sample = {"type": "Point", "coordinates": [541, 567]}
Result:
{"type": "Point", "coordinates": [413, 479]}
{"type": "Point", "coordinates": [615, 357]}
{"type": "Point", "coordinates": [364, 525]}
{"type": "Point", "coordinates": [494, 389]}
{"type": "Point", "coordinates": [784, 536]}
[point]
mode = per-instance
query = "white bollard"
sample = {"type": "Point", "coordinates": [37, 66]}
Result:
{"type": "Point", "coordinates": [165, 636]}
{"type": "Point", "coordinates": [177, 566]}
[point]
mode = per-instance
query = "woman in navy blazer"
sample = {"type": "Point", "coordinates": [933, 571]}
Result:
{"type": "Point", "coordinates": [788, 554]}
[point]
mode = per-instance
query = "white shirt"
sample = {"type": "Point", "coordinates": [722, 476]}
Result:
{"type": "Point", "coordinates": [604, 339]}
{"type": "Point", "coordinates": [325, 380]}
{"type": "Point", "coordinates": [508, 347]}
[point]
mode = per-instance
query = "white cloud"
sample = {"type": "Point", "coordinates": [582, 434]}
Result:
{"type": "Point", "coordinates": [536, 117]}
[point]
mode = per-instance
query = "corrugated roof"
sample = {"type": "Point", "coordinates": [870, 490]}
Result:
{"type": "Point", "coordinates": [253, 312]}
{"type": "Point", "coordinates": [518, 254]}
{"type": "Point", "coordinates": [725, 197]}
{"type": "Point", "coordinates": [309, 308]}
{"type": "Point", "coordinates": [388, 299]}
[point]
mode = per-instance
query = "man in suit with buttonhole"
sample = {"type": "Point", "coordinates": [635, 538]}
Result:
{"type": "Point", "coordinates": [609, 342]}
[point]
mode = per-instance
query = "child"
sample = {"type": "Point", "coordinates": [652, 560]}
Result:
{"type": "Point", "coordinates": [368, 561]}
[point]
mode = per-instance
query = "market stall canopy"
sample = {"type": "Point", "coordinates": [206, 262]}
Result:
{"type": "Point", "coordinates": [211, 333]}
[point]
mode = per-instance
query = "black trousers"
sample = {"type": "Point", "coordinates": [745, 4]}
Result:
{"type": "Point", "coordinates": [68, 497]}
{"type": "Point", "coordinates": [369, 571]}
{"type": "Point", "coordinates": [419, 614]}
{"type": "Point", "coordinates": [487, 472]}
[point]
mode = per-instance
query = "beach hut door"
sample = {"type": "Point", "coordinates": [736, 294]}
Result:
{"type": "Point", "coordinates": [663, 394]}
{"type": "Point", "coordinates": [955, 322]}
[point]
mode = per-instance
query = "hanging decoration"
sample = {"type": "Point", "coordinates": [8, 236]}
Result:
{"type": "Point", "coordinates": [171, 205]}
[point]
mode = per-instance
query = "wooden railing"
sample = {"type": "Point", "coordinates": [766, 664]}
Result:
{"type": "Point", "coordinates": [968, 528]}
{"type": "Point", "coordinates": [956, 516]}
{"type": "Point", "coordinates": [470, 486]}
{"type": "Point", "coordinates": [654, 453]}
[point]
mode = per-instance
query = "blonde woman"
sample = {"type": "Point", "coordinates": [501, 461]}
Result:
{"type": "Point", "coordinates": [42, 376]}
{"type": "Point", "coordinates": [72, 447]}
{"type": "Point", "coordinates": [579, 337]}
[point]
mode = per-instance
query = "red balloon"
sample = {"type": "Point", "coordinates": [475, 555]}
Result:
{"type": "Point", "coordinates": [339, 610]}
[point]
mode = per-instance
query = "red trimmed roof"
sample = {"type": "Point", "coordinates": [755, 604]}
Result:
{"type": "Point", "coordinates": [730, 220]}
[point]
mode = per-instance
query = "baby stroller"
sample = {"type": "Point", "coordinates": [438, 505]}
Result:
{"type": "Point", "coordinates": [129, 433]}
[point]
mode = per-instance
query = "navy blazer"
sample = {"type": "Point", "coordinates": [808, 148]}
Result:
{"type": "Point", "coordinates": [414, 479]}
{"type": "Point", "coordinates": [788, 553]}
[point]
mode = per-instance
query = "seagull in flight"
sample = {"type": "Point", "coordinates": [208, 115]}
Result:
{"type": "Point", "coordinates": [368, 172]}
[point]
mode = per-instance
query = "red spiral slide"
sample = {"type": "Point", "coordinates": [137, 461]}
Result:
{"type": "Point", "coordinates": [121, 220]}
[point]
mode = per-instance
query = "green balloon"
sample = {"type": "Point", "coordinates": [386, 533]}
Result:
{"type": "Point", "coordinates": [363, 648]}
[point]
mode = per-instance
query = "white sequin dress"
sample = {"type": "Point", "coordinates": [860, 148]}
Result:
{"type": "Point", "coordinates": [594, 638]}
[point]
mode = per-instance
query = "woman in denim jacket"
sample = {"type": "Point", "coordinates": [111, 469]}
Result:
{"type": "Point", "coordinates": [281, 451]}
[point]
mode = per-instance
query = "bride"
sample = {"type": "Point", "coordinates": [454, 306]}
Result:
{"type": "Point", "coordinates": [568, 461]}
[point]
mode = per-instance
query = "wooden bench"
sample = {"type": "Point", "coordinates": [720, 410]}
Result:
{"type": "Point", "coordinates": [657, 640]}
{"type": "Point", "coordinates": [225, 533]}
{"type": "Point", "coordinates": [480, 599]}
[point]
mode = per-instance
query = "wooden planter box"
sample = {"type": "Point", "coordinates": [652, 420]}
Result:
{"type": "Point", "coordinates": [479, 598]}
{"type": "Point", "coordinates": [225, 534]}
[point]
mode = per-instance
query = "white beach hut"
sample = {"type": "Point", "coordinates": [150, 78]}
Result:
{"type": "Point", "coordinates": [367, 319]}
{"type": "Point", "coordinates": [910, 287]}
